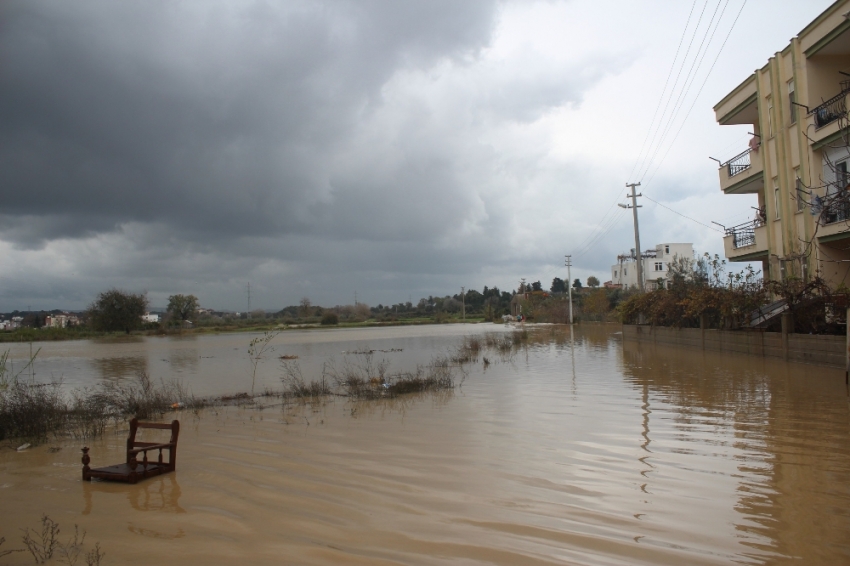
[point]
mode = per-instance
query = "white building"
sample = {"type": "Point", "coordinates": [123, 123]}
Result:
{"type": "Point", "coordinates": [148, 317]}
{"type": "Point", "coordinates": [655, 262]}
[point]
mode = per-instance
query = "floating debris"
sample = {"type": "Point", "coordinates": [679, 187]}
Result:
{"type": "Point", "coordinates": [289, 357]}
{"type": "Point", "coordinates": [367, 352]}
{"type": "Point", "coordinates": [23, 447]}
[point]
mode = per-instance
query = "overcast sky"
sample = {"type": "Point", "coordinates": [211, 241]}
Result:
{"type": "Point", "coordinates": [392, 149]}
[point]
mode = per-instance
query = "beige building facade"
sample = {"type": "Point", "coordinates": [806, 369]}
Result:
{"type": "Point", "coordinates": [798, 158]}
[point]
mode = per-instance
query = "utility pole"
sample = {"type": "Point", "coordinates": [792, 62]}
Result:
{"type": "Point", "coordinates": [634, 206]}
{"type": "Point", "coordinates": [463, 302]}
{"type": "Point", "coordinates": [569, 264]}
{"type": "Point", "coordinates": [355, 297]}
{"type": "Point", "coordinates": [249, 300]}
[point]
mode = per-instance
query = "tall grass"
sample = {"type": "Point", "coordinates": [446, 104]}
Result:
{"type": "Point", "coordinates": [34, 411]}
{"type": "Point", "coordinates": [368, 378]}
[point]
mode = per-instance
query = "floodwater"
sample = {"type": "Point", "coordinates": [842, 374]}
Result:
{"type": "Point", "coordinates": [569, 451]}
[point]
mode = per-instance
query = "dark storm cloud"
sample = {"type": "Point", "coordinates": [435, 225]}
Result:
{"type": "Point", "coordinates": [216, 118]}
{"type": "Point", "coordinates": [192, 146]}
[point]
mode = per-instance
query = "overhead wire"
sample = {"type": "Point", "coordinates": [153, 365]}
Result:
{"type": "Point", "coordinates": [690, 109]}
{"type": "Point", "coordinates": [603, 230]}
{"type": "Point", "coordinates": [682, 215]}
{"type": "Point", "coordinates": [644, 163]}
{"type": "Point", "coordinates": [664, 90]}
{"type": "Point", "coordinates": [696, 64]}
{"type": "Point", "coordinates": [605, 220]}
{"type": "Point", "coordinates": [675, 84]}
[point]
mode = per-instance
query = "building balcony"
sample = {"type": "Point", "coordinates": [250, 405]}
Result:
{"type": "Point", "coordinates": [746, 242]}
{"type": "Point", "coordinates": [830, 117]}
{"type": "Point", "coordinates": [834, 220]}
{"type": "Point", "coordinates": [744, 173]}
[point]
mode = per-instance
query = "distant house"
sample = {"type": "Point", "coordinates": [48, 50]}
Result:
{"type": "Point", "coordinates": [63, 320]}
{"type": "Point", "coordinates": [654, 262]}
{"type": "Point", "coordinates": [149, 317]}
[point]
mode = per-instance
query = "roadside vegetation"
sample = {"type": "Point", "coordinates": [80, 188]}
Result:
{"type": "Point", "coordinates": [703, 289]}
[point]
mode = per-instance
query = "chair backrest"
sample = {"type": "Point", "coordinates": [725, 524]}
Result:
{"type": "Point", "coordinates": [135, 425]}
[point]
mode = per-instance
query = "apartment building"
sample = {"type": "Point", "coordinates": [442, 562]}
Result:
{"type": "Point", "coordinates": [796, 162]}
{"type": "Point", "coordinates": [655, 263]}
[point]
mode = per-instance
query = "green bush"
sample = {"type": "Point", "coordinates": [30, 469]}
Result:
{"type": "Point", "coordinates": [330, 319]}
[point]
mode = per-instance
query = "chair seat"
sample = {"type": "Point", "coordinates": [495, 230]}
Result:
{"type": "Point", "coordinates": [138, 466]}
{"type": "Point", "coordinates": [122, 472]}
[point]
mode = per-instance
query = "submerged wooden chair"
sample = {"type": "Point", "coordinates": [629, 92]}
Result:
{"type": "Point", "coordinates": [134, 469]}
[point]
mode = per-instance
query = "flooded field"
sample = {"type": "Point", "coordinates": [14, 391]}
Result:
{"type": "Point", "coordinates": [568, 450]}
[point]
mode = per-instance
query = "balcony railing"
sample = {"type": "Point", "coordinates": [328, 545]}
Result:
{"type": "Point", "coordinates": [738, 164]}
{"type": "Point", "coordinates": [838, 210]}
{"type": "Point", "coordinates": [743, 235]}
{"type": "Point", "coordinates": [832, 109]}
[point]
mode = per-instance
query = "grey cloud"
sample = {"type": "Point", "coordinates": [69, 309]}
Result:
{"type": "Point", "coordinates": [203, 143]}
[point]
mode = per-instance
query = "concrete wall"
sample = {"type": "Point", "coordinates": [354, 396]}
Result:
{"type": "Point", "coordinates": [805, 348]}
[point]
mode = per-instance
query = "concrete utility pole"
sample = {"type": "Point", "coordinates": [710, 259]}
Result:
{"type": "Point", "coordinates": [569, 264]}
{"type": "Point", "coordinates": [463, 302]}
{"type": "Point", "coordinates": [634, 206]}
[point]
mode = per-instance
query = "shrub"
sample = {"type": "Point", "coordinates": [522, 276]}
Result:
{"type": "Point", "coordinates": [330, 319]}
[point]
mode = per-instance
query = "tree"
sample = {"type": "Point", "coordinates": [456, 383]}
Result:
{"type": "Point", "coordinates": [182, 307]}
{"type": "Point", "coordinates": [558, 285]}
{"type": "Point", "coordinates": [592, 282]}
{"type": "Point", "coordinates": [577, 284]}
{"type": "Point", "coordinates": [536, 286]}
{"type": "Point", "coordinates": [305, 309]}
{"type": "Point", "coordinates": [116, 310]}
{"type": "Point", "coordinates": [597, 303]}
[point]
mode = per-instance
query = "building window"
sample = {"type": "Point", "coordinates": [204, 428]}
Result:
{"type": "Point", "coordinates": [776, 201]}
{"type": "Point", "coordinates": [841, 177]}
{"type": "Point", "coordinates": [659, 266]}
{"type": "Point", "coordinates": [792, 99]}
{"type": "Point", "coordinates": [801, 193]}
{"type": "Point", "coordinates": [615, 273]}
{"type": "Point", "coordinates": [667, 250]}
{"type": "Point", "coordinates": [625, 271]}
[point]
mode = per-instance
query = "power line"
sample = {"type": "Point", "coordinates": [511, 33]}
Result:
{"type": "Point", "coordinates": [599, 231]}
{"type": "Point", "coordinates": [675, 84]}
{"type": "Point", "coordinates": [696, 64]}
{"type": "Point", "coordinates": [603, 231]}
{"type": "Point", "coordinates": [708, 74]}
{"type": "Point", "coordinates": [682, 215]}
{"type": "Point", "coordinates": [664, 90]}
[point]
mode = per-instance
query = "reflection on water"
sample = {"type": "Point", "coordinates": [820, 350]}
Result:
{"type": "Point", "coordinates": [118, 369]}
{"type": "Point", "coordinates": [158, 494]}
{"type": "Point", "coordinates": [573, 448]}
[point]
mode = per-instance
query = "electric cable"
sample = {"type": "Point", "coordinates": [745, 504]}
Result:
{"type": "Point", "coordinates": [696, 64]}
{"type": "Point", "coordinates": [716, 57]}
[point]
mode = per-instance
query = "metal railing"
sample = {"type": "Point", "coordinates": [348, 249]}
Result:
{"type": "Point", "coordinates": [739, 163]}
{"type": "Point", "coordinates": [831, 110]}
{"type": "Point", "coordinates": [743, 235]}
{"type": "Point", "coordinates": [838, 210]}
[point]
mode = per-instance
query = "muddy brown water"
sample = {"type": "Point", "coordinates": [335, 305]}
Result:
{"type": "Point", "coordinates": [569, 451]}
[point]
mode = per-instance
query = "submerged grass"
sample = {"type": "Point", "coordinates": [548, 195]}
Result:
{"type": "Point", "coordinates": [44, 542]}
{"type": "Point", "coordinates": [365, 378]}
{"type": "Point", "coordinates": [34, 411]}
